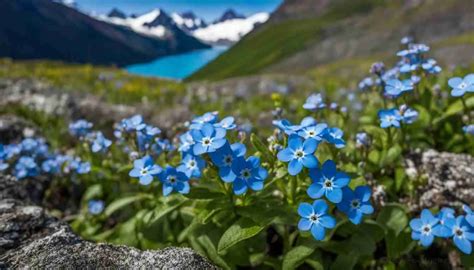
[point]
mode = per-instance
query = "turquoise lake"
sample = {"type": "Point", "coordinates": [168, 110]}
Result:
{"type": "Point", "coordinates": [177, 66]}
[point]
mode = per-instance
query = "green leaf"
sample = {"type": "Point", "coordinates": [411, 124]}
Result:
{"type": "Point", "coordinates": [163, 210]}
{"type": "Point", "coordinates": [392, 155]}
{"type": "Point", "coordinates": [297, 255]}
{"type": "Point", "coordinates": [261, 147]}
{"type": "Point", "coordinates": [122, 202]}
{"type": "Point", "coordinates": [393, 217]}
{"type": "Point", "coordinates": [398, 245]}
{"type": "Point", "coordinates": [200, 193]}
{"type": "Point", "coordinates": [243, 229]}
{"type": "Point", "coordinates": [345, 261]}
{"type": "Point", "coordinates": [92, 192]}
{"type": "Point", "coordinates": [208, 245]}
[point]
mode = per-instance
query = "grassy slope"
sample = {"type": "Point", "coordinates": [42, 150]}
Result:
{"type": "Point", "coordinates": [112, 84]}
{"type": "Point", "coordinates": [276, 41]}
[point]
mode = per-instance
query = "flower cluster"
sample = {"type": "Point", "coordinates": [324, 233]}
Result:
{"type": "Point", "coordinates": [309, 133]}
{"type": "Point", "coordinates": [82, 130]}
{"type": "Point", "coordinates": [395, 116]}
{"type": "Point", "coordinates": [31, 157]}
{"type": "Point", "coordinates": [445, 225]}
{"type": "Point", "coordinates": [206, 137]}
{"type": "Point", "coordinates": [332, 185]}
{"type": "Point", "coordinates": [328, 184]}
{"type": "Point", "coordinates": [460, 87]}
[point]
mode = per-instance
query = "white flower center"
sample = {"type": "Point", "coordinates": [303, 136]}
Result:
{"type": "Point", "coordinates": [426, 229]}
{"type": "Point", "coordinates": [299, 154]}
{"type": "Point", "coordinates": [314, 218]}
{"type": "Point", "coordinates": [328, 183]}
{"type": "Point", "coordinates": [206, 141]}
{"type": "Point", "coordinates": [144, 171]}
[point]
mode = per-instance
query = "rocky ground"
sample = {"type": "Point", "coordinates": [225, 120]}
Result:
{"type": "Point", "coordinates": [30, 238]}
{"type": "Point", "coordinates": [448, 178]}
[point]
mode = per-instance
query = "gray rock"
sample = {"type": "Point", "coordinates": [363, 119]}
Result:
{"type": "Point", "coordinates": [449, 179]}
{"type": "Point", "coordinates": [30, 238]}
{"type": "Point", "coordinates": [15, 128]}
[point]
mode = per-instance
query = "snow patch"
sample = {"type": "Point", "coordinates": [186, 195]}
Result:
{"type": "Point", "coordinates": [231, 30]}
{"type": "Point", "coordinates": [138, 24]}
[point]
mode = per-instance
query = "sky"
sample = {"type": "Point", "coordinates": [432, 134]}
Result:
{"type": "Point", "coordinates": [207, 9]}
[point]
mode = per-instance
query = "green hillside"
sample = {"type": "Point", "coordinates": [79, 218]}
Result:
{"type": "Point", "coordinates": [276, 41]}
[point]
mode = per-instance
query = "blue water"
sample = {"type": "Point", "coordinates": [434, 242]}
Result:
{"type": "Point", "coordinates": [177, 66]}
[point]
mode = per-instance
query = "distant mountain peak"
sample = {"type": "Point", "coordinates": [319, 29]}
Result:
{"type": "Point", "coordinates": [229, 14]}
{"type": "Point", "coordinates": [188, 21]}
{"type": "Point", "coordinates": [117, 13]}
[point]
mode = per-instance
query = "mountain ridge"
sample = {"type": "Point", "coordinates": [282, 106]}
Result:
{"type": "Point", "coordinates": [44, 29]}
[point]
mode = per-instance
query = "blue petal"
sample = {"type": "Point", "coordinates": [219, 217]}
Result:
{"type": "Point", "coordinates": [198, 149]}
{"type": "Point", "coordinates": [310, 161]}
{"type": "Point", "coordinates": [442, 231]}
{"type": "Point", "coordinates": [167, 189]}
{"type": "Point", "coordinates": [295, 142]}
{"type": "Point", "coordinates": [218, 143]}
{"type": "Point", "coordinates": [316, 175]}
{"type": "Point", "coordinates": [428, 218]}
{"type": "Point", "coordinates": [220, 133]}
{"type": "Point", "coordinates": [294, 167]}
{"type": "Point", "coordinates": [426, 239]}
{"type": "Point", "coordinates": [334, 195]}
{"type": "Point", "coordinates": [254, 161]}
{"type": "Point", "coordinates": [285, 155]}
{"type": "Point", "coordinates": [342, 179]}
{"type": "Point", "coordinates": [318, 232]}
{"type": "Point", "coordinates": [329, 169]}
{"type": "Point", "coordinates": [139, 163]}
{"type": "Point", "coordinates": [470, 220]}
{"type": "Point", "coordinates": [182, 187]}
{"type": "Point", "coordinates": [238, 149]}
{"type": "Point", "coordinates": [146, 179]}
{"type": "Point", "coordinates": [355, 217]}
{"type": "Point", "coordinates": [196, 135]}
{"type": "Point", "coordinates": [255, 185]}
{"type": "Point", "coordinates": [305, 210]}
{"type": "Point", "coordinates": [207, 130]}
{"type": "Point", "coordinates": [134, 173]}
{"type": "Point", "coordinates": [328, 221]}
{"type": "Point", "coordinates": [363, 193]}
{"type": "Point", "coordinates": [367, 209]}
{"type": "Point", "coordinates": [415, 235]}
{"type": "Point", "coordinates": [455, 82]}
{"type": "Point", "coordinates": [456, 92]}
{"type": "Point", "coordinates": [320, 207]}
{"type": "Point", "coordinates": [304, 224]}
{"type": "Point", "coordinates": [416, 224]}
{"type": "Point", "coordinates": [310, 145]}
{"type": "Point", "coordinates": [239, 186]}
{"type": "Point", "coordinates": [226, 174]}
{"type": "Point", "coordinates": [315, 191]}
{"type": "Point", "coordinates": [463, 244]}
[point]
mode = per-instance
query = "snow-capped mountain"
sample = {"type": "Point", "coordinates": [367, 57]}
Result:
{"type": "Point", "coordinates": [188, 21]}
{"type": "Point", "coordinates": [229, 14]}
{"type": "Point", "coordinates": [142, 24]}
{"type": "Point", "coordinates": [230, 30]}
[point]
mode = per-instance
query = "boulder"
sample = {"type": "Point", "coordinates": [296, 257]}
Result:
{"type": "Point", "coordinates": [31, 238]}
{"type": "Point", "coordinates": [448, 179]}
